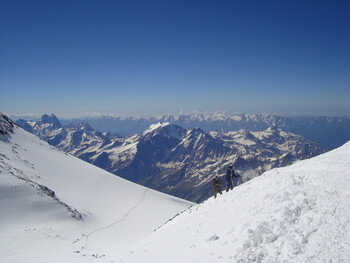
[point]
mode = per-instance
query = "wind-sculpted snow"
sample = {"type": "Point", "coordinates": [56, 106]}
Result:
{"type": "Point", "coordinates": [295, 214]}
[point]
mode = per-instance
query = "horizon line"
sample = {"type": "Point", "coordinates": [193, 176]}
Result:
{"type": "Point", "coordinates": [114, 115]}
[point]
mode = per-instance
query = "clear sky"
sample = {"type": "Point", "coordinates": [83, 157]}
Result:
{"type": "Point", "coordinates": [156, 57]}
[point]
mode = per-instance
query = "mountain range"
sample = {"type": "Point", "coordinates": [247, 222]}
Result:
{"type": "Point", "coordinates": [176, 160]}
{"type": "Point", "coordinates": [330, 131]}
{"type": "Point", "coordinates": [57, 208]}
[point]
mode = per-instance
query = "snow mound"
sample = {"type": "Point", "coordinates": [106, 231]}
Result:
{"type": "Point", "coordinates": [295, 214]}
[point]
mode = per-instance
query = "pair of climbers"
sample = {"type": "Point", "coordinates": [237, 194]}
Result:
{"type": "Point", "coordinates": [232, 179]}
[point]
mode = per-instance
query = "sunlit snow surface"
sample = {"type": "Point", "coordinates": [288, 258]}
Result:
{"type": "Point", "coordinates": [90, 215]}
{"type": "Point", "coordinates": [295, 214]}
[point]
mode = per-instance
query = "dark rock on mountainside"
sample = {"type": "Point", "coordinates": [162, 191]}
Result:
{"type": "Point", "coordinates": [6, 125]}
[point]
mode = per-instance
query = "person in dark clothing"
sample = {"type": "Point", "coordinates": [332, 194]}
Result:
{"type": "Point", "coordinates": [233, 179]}
{"type": "Point", "coordinates": [229, 175]}
{"type": "Point", "coordinates": [236, 178]}
{"type": "Point", "coordinates": [216, 186]}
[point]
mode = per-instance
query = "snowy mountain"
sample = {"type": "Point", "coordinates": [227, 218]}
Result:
{"type": "Point", "coordinates": [57, 208]}
{"type": "Point", "coordinates": [258, 152]}
{"type": "Point", "coordinates": [178, 161]}
{"type": "Point", "coordinates": [293, 214]}
{"type": "Point", "coordinates": [75, 139]}
{"type": "Point", "coordinates": [330, 131]}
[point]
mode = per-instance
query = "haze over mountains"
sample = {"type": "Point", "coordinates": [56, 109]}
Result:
{"type": "Point", "coordinates": [330, 131]}
{"type": "Point", "coordinates": [176, 160]}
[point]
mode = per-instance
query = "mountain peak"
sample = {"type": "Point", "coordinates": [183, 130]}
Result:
{"type": "Point", "coordinates": [197, 131]}
{"type": "Point", "coordinates": [157, 126]}
{"type": "Point", "coordinates": [273, 128]}
{"type": "Point", "coordinates": [165, 129]}
{"type": "Point", "coordinates": [50, 119]}
{"type": "Point", "coordinates": [84, 126]}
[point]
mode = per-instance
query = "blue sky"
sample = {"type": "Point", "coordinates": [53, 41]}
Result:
{"type": "Point", "coordinates": [77, 58]}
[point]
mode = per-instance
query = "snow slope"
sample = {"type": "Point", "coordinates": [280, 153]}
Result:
{"type": "Point", "coordinates": [57, 208]}
{"type": "Point", "coordinates": [298, 214]}
{"type": "Point", "coordinates": [295, 214]}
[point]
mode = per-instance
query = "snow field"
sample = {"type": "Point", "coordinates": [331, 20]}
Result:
{"type": "Point", "coordinates": [294, 214]}
{"type": "Point", "coordinates": [57, 207]}
{"type": "Point", "coordinates": [298, 214]}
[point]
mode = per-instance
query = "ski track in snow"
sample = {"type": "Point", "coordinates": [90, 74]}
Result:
{"type": "Point", "coordinates": [90, 234]}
